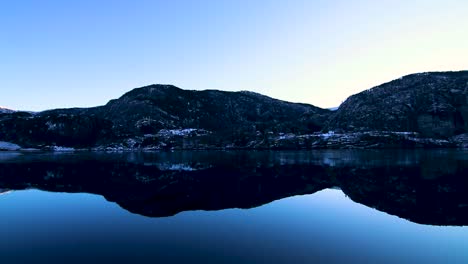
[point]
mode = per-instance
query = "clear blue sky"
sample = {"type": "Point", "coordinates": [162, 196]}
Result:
{"type": "Point", "coordinates": [83, 53]}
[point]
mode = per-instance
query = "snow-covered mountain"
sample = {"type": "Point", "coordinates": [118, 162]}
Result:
{"type": "Point", "coordinates": [5, 110]}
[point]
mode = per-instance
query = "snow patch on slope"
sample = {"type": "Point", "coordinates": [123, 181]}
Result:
{"type": "Point", "coordinates": [61, 149]}
{"type": "Point", "coordinates": [182, 132]}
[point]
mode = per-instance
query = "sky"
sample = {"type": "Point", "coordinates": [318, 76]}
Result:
{"type": "Point", "coordinates": [56, 53]}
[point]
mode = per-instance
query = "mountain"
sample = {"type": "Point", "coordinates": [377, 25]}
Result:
{"type": "Point", "coordinates": [144, 116]}
{"type": "Point", "coordinates": [5, 110]}
{"type": "Point", "coordinates": [154, 107]}
{"type": "Point", "coordinates": [426, 110]}
{"type": "Point", "coordinates": [434, 104]}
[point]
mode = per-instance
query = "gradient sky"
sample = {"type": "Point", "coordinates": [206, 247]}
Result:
{"type": "Point", "coordinates": [56, 53]}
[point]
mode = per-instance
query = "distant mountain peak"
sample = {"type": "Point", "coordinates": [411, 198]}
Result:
{"type": "Point", "coordinates": [434, 104]}
{"type": "Point", "coordinates": [6, 110]}
{"type": "Point", "coordinates": [152, 89]}
{"type": "Point", "coordinates": [160, 87]}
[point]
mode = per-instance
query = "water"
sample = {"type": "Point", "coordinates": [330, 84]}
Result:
{"type": "Point", "coordinates": [235, 207]}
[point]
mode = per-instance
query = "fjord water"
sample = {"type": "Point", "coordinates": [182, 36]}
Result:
{"type": "Point", "coordinates": [371, 206]}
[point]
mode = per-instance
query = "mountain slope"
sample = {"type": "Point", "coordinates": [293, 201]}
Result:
{"type": "Point", "coordinates": [6, 111]}
{"type": "Point", "coordinates": [227, 116]}
{"type": "Point", "coordinates": [434, 104]}
{"type": "Point", "coordinates": [166, 106]}
{"type": "Point", "coordinates": [151, 108]}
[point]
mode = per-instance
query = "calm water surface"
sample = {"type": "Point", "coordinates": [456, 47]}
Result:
{"type": "Point", "coordinates": [235, 207]}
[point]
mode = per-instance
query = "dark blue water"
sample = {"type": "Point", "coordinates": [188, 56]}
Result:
{"type": "Point", "coordinates": [183, 207]}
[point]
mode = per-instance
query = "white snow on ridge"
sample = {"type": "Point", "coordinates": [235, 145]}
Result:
{"type": "Point", "coordinates": [4, 110]}
{"type": "Point", "coordinates": [9, 146]}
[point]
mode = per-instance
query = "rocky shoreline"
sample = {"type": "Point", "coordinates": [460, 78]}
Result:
{"type": "Point", "coordinates": [177, 140]}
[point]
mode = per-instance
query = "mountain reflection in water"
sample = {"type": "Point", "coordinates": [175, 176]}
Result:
{"type": "Point", "coordinates": [426, 187]}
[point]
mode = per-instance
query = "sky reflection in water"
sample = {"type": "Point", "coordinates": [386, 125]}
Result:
{"type": "Point", "coordinates": [325, 226]}
{"type": "Point", "coordinates": [307, 222]}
